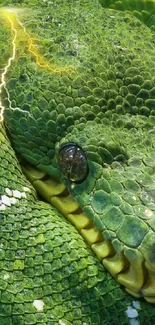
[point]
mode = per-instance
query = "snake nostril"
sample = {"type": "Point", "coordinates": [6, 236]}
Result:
{"type": "Point", "coordinates": [73, 162]}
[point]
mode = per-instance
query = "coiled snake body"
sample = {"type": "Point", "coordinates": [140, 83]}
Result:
{"type": "Point", "coordinates": [77, 99]}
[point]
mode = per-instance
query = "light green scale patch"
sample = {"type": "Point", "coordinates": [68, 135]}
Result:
{"type": "Point", "coordinates": [147, 247]}
{"type": "Point", "coordinates": [100, 201]}
{"type": "Point", "coordinates": [132, 231]}
{"type": "Point", "coordinates": [113, 218]}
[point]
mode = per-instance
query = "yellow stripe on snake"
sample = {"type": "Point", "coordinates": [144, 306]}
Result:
{"type": "Point", "coordinates": [77, 162]}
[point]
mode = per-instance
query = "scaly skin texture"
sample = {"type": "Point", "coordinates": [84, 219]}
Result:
{"type": "Point", "coordinates": [77, 72]}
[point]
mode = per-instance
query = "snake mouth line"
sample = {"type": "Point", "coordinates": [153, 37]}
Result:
{"type": "Point", "coordinates": [137, 277]}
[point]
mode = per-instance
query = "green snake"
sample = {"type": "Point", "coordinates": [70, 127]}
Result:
{"type": "Point", "coordinates": [77, 162]}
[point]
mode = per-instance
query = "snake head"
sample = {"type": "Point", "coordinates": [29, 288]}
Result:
{"type": "Point", "coordinates": [79, 106]}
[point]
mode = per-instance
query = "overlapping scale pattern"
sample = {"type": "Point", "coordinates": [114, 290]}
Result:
{"type": "Point", "coordinates": [91, 83]}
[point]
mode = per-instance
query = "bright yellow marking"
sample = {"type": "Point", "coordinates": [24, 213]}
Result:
{"type": "Point", "coordinates": [17, 27]}
{"type": "Point", "coordinates": [40, 60]}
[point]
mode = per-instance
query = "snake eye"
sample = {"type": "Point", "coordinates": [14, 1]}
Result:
{"type": "Point", "coordinates": [73, 162]}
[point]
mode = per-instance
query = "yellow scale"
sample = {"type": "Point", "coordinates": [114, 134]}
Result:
{"type": "Point", "coordinates": [129, 272]}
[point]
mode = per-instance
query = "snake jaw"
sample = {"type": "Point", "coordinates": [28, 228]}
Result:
{"type": "Point", "coordinates": [127, 265]}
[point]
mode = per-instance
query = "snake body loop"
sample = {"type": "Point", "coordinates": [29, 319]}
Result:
{"type": "Point", "coordinates": [77, 162]}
